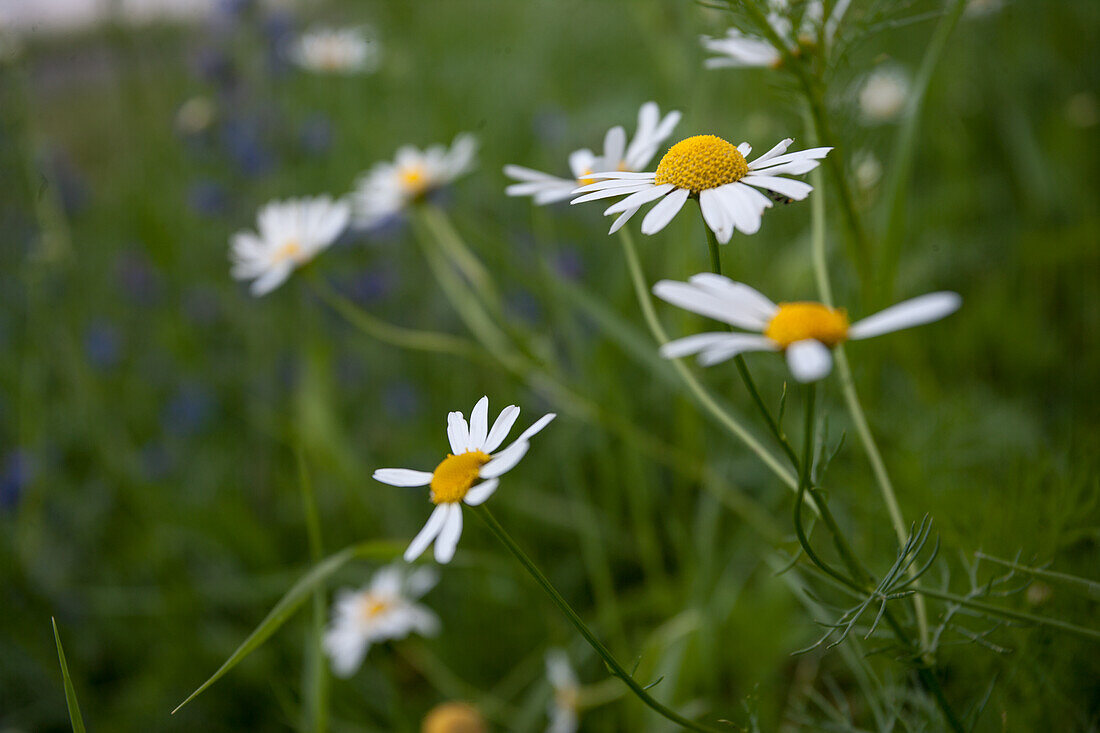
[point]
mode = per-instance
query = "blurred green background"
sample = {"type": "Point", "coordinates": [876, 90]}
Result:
{"type": "Point", "coordinates": [150, 408]}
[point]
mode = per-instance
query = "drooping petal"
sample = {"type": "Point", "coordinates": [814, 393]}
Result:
{"type": "Point", "coordinates": [608, 192]}
{"type": "Point", "coordinates": [623, 219]}
{"type": "Point", "coordinates": [707, 303]}
{"type": "Point", "coordinates": [663, 211]}
{"type": "Point", "coordinates": [693, 344]}
{"type": "Point", "coordinates": [478, 494]}
{"type": "Point", "coordinates": [428, 533]}
{"type": "Point", "coordinates": [796, 190]}
{"type": "Point", "coordinates": [402, 477]}
{"type": "Point", "coordinates": [447, 541]}
{"type": "Point", "coordinates": [809, 360]}
{"type": "Point", "coordinates": [745, 297]}
{"type": "Point", "coordinates": [715, 214]}
{"type": "Point", "coordinates": [536, 427]}
{"type": "Point", "coordinates": [914, 312]}
{"type": "Point", "coordinates": [739, 343]}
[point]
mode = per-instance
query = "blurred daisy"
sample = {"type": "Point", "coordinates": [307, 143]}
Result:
{"type": "Point", "coordinates": [564, 709]}
{"type": "Point", "coordinates": [617, 155]}
{"type": "Point", "coordinates": [387, 188]}
{"type": "Point", "coordinates": [742, 50]}
{"type": "Point", "coordinates": [291, 233]}
{"type": "Point", "coordinates": [707, 168]}
{"type": "Point", "coordinates": [454, 717]}
{"type": "Point", "coordinates": [384, 609]}
{"type": "Point", "coordinates": [883, 94]}
{"type": "Point", "coordinates": [804, 331]}
{"type": "Point", "coordinates": [470, 473]}
{"type": "Point", "coordinates": [342, 50]}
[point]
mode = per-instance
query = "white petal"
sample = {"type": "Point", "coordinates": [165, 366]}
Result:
{"type": "Point", "coordinates": [914, 312]}
{"type": "Point", "coordinates": [420, 581]}
{"type": "Point", "coordinates": [479, 424]}
{"type": "Point", "coordinates": [447, 541]}
{"type": "Point", "coordinates": [661, 214]}
{"type": "Point", "coordinates": [744, 149]}
{"type": "Point", "coordinates": [634, 200]}
{"type": "Point", "coordinates": [715, 214]}
{"type": "Point", "coordinates": [809, 154]}
{"type": "Point", "coordinates": [428, 533]}
{"type": "Point", "coordinates": [346, 649]}
{"type": "Point", "coordinates": [742, 209]}
{"type": "Point", "coordinates": [527, 174]}
{"type": "Point", "coordinates": [505, 461]}
{"type": "Point", "coordinates": [736, 312]}
{"type": "Point", "coordinates": [478, 494]}
{"type": "Point", "coordinates": [809, 360]}
{"type": "Point", "coordinates": [581, 162]}
{"type": "Point", "coordinates": [536, 427]}
{"type": "Point", "coordinates": [609, 192]}
{"type": "Point", "coordinates": [271, 279]}
{"type": "Point", "coordinates": [458, 433]}
{"type": "Point", "coordinates": [740, 344]}
{"type": "Point", "coordinates": [779, 149]}
{"type": "Point", "coordinates": [734, 343]}
{"type": "Point", "coordinates": [623, 219]}
{"type": "Point", "coordinates": [614, 143]}
{"type": "Point", "coordinates": [402, 477]}
{"type": "Point", "coordinates": [621, 175]}
{"type": "Point", "coordinates": [747, 298]}
{"type": "Point", "coordinates": [796, 190]}
{"type": "Point", "coordinates": [501, 427]}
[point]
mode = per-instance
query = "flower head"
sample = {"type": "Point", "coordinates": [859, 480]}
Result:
{"type": "Point", "coordinates": [883, 94]}
{"type": "Point", "coordinates": [804, 331]}
{"type": "Point", "coordinates": [715, 172]}
{"type": "Point", "coordinates": [340, 50]}
{"type": "Point", "coordinates": [652, 130]}
{"type": "Point", "coordinates": [564, 708]}
{"type": "Point", "coordinates": [386, 608]}
{"type": "Point", "coordinates": [454, 717]}
{"type": "Point", "coordinates": [387, 188]}
{"type": "Point", "coordinates": [289, 234]}
{"type": "Point", "coordinates": [742, 50]}
{"type": "Point", "coordinates": [470, 473]}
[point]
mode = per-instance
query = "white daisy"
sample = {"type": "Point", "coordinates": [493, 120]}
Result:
{"type": "Point", "coordinates": [384, 609]}
{"type": "Point", "coordinates": [564, 709]}
{"type": "Point", "coordinates": [470, 473]}
{"type": "Point", "coordinates": [291, 233]}
{"type": "Point", "coordinates": [617, 155]}
{"type": "Point", "coordinates": [707, 168]}
{"type": "Point", "coordinates": [387, 188]}
{"type": "Point", "coordinates": [742, 50]}
{"type": "Point", "coordinates": [883, 94]}
{"type": "Point", "coordinates": [805, 331]}
{"type": "Point", "coordinates": [340, 50]}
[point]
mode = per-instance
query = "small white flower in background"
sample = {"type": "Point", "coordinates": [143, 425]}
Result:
{"type": "Point", "coordinates": [470, 473]}
{"type": "Point", "coordinates": [868, 170]}
{"type": "Point", "coordinates": [195, 115]}
{"type": "Point", "coordinates": [883, 94]}
{"type": "Point", "coordinates": [290, 234]}
{"type": "Point", "coordinates": [805, 331]}
{"type": "Point", "coordinates": [341, 50]}
{"type": "Point", "coordinates": [715, 172]}
{"type": "Point", "coordinates": [387, 188]}
{"type": "Point", "coordinates": [742, 50]}
{"type": "Point", "coordinates": [564, 709]}
{"type": "Point", "coordinates": [384, 609]}
{"type": "Point", "coordinates": [617, 155]}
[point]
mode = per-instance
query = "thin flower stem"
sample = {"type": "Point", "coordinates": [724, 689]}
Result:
{"type": "Point", "coordinates": [613, 665]}
{"type": "Point", "coordinates": [316, 695]}
{"type": "Point", "coordinates": [1082, 631]}
{"type": "Point", "coordinates": [641, 290]}
{"type": "Point", "coordinates": [460, 254]}
{"type": "Point", "coordinates": [376, 328]}
{"type": "Point", "coordinates": [742, 367]}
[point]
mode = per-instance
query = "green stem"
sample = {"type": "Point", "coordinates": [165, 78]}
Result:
{"type": "Point", "coordinates": [1084, 632]}
{"type": "Point", "coordinates": [702, 396]}
{"type": "Point", "coordinates": [905, 148]}
{"type": "Point", "coordinates": [613, 665]}
{"type": "Point", "coordinates": [316, 676]}
{"type": "Point", "coordinates": [459, 253]}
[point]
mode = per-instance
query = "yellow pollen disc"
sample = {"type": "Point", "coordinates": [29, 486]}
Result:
{"type": "Point", "coordinates": [800, 321]}
{"type": "Point", "coordinates": [582, 181]}
{"type": "Point", "coordinates": [701, 162]}
{"type": "Point", "coordinates": [289, 251]}
{"type": "Point", "coordinates": [414, 179]}
{"type": "Point", "coordinates": [455, 475]}
{"type": "Point", "coordinates": [373, 607]}
{"type": "Point", "coordinates": [454, 717]}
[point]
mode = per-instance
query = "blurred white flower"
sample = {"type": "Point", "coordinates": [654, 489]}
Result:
{"type": "Point", "coordinates": [883, 94]}
{"type": "Point", "coordinates": [743, 50]}
{"type": "Point", "coordinates": [564, 709]}
{"type": "Point", "coordinates": [384, 609]}
{"type": "Point", "coordinates": [195, 115]}
{"type": "Point", "coordinates": [387, 188]}
{"type": "Point", "coordinates": [805, 331]}
{"type": "Point", "coordinates": [342, 50]}
{"type": "Point", "coordinates": [715, 172]}
{"type": "Point", "coordinates": [470, 473]}
{"type": "Point", "coordinates": [617, 155]}
{"type": "Point", "coordinates": [290, 234]}
{"type": "Point", "coordinates": [868, 170]}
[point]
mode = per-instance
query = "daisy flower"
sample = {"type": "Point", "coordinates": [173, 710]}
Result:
{"type": "Point", "coordinates": [387, 188]}
{"type": "Point", "coordinates": [384, 609]}
{"type": "Point", "coordinates": [804, 331]}
{"type": "Point", "coordinates": [617, 155]}
{"type": "Point", "coordinates": [290, 234]}
{"type": "Point", "coordinates": [883, 94]}
{"type": "Point", "coordinates": [470, 473]}
{"type": "Point", "coordinates": [563, 710]}
{"type": "Point", "coordinates": [707, 168]}
{"type": "Point", "coordinates": [341, 50]}
{"type": "Point", "coordinates": [742, 50]}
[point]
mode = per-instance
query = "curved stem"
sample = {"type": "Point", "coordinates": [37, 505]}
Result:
{"type": "Point", "coordinates": [613, 664]}
{"type": "Point", "coordinates": [641, 289]}
{"type": "Point", "coordinates": [460, 254]}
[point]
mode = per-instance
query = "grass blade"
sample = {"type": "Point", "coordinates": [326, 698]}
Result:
{"type": "Point", "coordinates": [70, 692]}
{"type": "Point", "coordinates": [293, 600]}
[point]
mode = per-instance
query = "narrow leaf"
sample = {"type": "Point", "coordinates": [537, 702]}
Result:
{"type": "Point", "coordinates": [70, 692]}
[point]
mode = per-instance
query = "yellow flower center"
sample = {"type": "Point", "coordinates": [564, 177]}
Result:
{"type": "Point", "coordinates": [455, 475]}
{"type": "Point", "coordinates": [414, 179]}
{"type": "Point", "coordinates": [373, 606]}
{"type": "Point", "coordinates": [800, 321]}
{"type": "Point", "coordinates": [701, 162]}
{"type": "Point", "coordinates": [454, 717]}
{"type": "Point", "coordinates": [289, 251]}
{"type": "Point", "coordinates": [584, 180]}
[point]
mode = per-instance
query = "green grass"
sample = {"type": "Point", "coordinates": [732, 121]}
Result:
{"type": "Point", "coordinates": [163, 517]}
